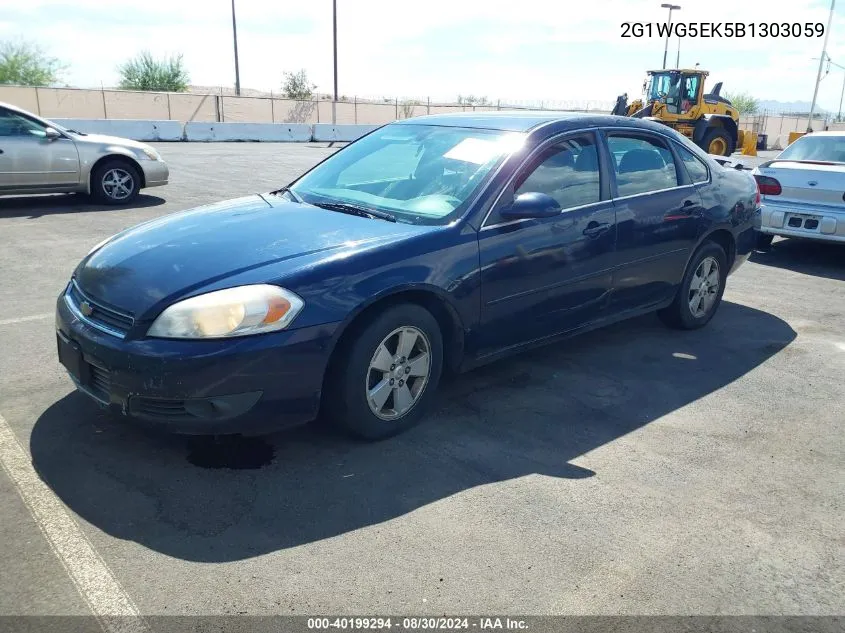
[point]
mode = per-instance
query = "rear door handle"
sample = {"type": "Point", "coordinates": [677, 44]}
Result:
{"type": "Point", "coordinates": [594, 229]}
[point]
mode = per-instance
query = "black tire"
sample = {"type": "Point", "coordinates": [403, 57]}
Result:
{"type": "Point", "coordinates": [717, 133]}
{"type": "Point", "coordinates": [679, 314]}
{"type": "Point", "coordinates": [105, 171]}
{"type": "Point", "coordinates": [345, 399]}
{"type": "Point", "coordinates": [764, 241]}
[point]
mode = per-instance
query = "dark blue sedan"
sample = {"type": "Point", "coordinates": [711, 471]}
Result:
{"type": "Point", "coordinates": [432, 244]}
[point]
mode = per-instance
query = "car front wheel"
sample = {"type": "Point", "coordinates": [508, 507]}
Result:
{"type": "Point", "coordinates": [701, 289]}
{"type": "Point", "coordinates": [115, 182]}
{"type": "Point", "coordinates": [387, 373]}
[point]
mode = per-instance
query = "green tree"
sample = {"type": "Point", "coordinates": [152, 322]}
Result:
{"type": "Point", "coordinates": [297, 86]}
{"type": "Point", "coordinates": [144, 72]}
{"type": "Point", "coordinates": [25, 64]}
{"type": "Point", "coordinates": [744, 102]}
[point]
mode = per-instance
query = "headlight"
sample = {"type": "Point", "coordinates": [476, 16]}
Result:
{"type": "Point", "coordinates": [98, 246]}
{"type": "Point", "coordinates": [150, 153]}
{"type": "Point", "coordinates": [231, 312]}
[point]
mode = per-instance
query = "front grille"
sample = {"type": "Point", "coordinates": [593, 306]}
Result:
{"type": "Point", "coordinates": [160, 409]}
{"type": "Point", "coordinates": [100, 382]}
{"type": "Point", "coordinates": [99, 315]}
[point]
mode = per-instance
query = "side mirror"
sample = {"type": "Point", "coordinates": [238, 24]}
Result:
{"type": "Point", "coordinates": [51, 133]}
{"type": "Point", "coordinates": [531, 205]}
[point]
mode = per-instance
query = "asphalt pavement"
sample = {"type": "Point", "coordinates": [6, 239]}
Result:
{"type": "Point", "coordinates": [632, 470]}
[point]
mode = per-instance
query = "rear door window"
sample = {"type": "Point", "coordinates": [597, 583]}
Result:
{"type": "Point", "coordinates": [695, 167]}
{"type": "Point", "coordinates": [643, 164]}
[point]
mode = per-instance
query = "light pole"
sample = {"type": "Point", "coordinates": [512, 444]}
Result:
{"type": "Point", "coordinates": [235, 39]}
{"type": "Point", "coordinates": [666, 49]}
{"type": "Point", "coordinates": [821, 65]}
{"type": "Point", "coordinates": [678, 58]}
{"type": "Point", "coordinates": [334, 32]}
{"type": "Point", "coordinates": [842, 94]}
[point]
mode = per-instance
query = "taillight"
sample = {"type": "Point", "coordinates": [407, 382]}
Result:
{"type": "Point", "coordinates": [767, 185]}
{"type": "Point", "coordinates": [757, 198]}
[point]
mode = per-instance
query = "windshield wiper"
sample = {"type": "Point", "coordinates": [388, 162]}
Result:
{"type": "Point", "coordinates": [351, 209]}
{"type": "Point", "coordinates": [288, 191]}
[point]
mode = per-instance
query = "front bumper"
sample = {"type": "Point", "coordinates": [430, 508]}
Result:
{"type": "Point", "coordinates": [156, 172]}
{"type": "Point", "coordinates": [249, 385]}
{"type": "Point", "coordinates": [797, 219]}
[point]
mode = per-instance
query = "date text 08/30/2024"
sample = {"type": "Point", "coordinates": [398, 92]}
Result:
{"type": "Point", "coordinates": [416, 623]}
{"type": "Point", "coordinates": [722, 29]}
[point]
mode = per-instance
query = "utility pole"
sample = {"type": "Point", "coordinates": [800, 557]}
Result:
{"type": "Point", "coordinates": [235, 39]}
{"type": "Point", "coordinates": [821, 65]}
{"type": "Point", "coordinates": [334, 29]}
{"type": "Point", "coordinates": [666, 48]}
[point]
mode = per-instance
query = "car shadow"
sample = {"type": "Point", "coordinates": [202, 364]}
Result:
{"type": "Point", "coordinates": [36, 206]}
{"type": "Point", "coordinates": [532, 413]}
{"type": "Point", "coordinates": [820, 259]}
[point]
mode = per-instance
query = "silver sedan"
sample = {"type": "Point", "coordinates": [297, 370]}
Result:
{"type": "Point", "coordinates": [39, 156]}
{"type": "Point", "coordinates": [803, 190]}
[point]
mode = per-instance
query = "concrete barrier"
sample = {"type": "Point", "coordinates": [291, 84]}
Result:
{"type": "Point", "coordinates": [269, 132]}
{"type": "Point", "coordinates": [326, 132]}
{"type": "Point", "coordinates": [138, 130]}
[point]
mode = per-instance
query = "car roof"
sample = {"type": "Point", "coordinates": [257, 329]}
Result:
{"type": "Point", "coordinates": [525, 121]}
{"type": "Point", "coordinates": [825, 133]}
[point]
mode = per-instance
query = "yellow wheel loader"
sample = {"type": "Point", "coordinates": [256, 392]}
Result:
{"type": "Point", "coordinates": [675, 97]}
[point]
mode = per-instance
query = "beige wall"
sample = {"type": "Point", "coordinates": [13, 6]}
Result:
{"type": "Point", "coordinates": [247, 109]}
{"type": "Point", "coordinates": [76, 104]}
{"type": "Point", "coordinates": [136, 105]}
{"type": "Point", "coordinates": [119, 104]}
{"type": "Point", "coordinates": [187, 107]}
{"type": "Point", "coordinates": [22, 97]}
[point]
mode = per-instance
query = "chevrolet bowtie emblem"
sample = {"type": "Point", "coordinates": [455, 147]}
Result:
{"type": "Point", "coordinates": [85, 308]}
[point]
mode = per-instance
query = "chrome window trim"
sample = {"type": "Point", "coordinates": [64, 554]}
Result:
{"type": "Point", "coordinates": [652, 192]}
{"type": "Point", "coordinates": [549, 141]}
{"type": "Point", "coordinates": [563, 211]}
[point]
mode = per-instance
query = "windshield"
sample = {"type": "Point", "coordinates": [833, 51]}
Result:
{"type": "Point", "coordinates": [419, 173]}
{"type": "Point", "coordinates": [821, 148]}
{"type": "Point", "coordinates": [663, 85]}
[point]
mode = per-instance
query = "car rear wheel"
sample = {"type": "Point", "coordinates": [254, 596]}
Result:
{"type": "Point", "coordinates": [701, 289]}
{"type": "Point", "coordinates": [115, 182]}
{"type": "Point", "coordinates": [387, 374]}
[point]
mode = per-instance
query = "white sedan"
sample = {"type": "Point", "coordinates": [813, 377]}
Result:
{"type": "Point", "coordinates": [803, 190]}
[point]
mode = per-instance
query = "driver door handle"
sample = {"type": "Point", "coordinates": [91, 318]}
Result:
{"type": "Point", "coordinates": [594, 229]}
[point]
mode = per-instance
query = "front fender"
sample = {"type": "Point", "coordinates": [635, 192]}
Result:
{"type": "Point", "coordinates": [106, 152]}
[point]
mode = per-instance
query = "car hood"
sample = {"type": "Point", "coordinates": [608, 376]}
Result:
{"type": "Point", "coordinates": [102, 139]}
{"type": "Point", "coordinates": [164, 259]}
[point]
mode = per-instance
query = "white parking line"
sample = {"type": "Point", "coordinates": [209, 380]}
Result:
{"type": "Point", "coordinates": [107, 600]}
{"type": "Point", "coordinates": [34, 317]}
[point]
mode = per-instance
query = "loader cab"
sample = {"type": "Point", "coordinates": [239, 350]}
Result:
{"type": "Point", "coordinates": [679, 90]}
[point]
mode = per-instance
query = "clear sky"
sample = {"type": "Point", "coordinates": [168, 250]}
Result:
{"type": "Point", "coordinates": [554, 50]}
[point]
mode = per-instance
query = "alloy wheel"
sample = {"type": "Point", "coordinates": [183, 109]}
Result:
{"type": "Point", "coordinates": [398, 373]}
{"type": "Point", "coordinates": [118, 184]}
{"type": "Point", "coordinates": [704, 287]}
